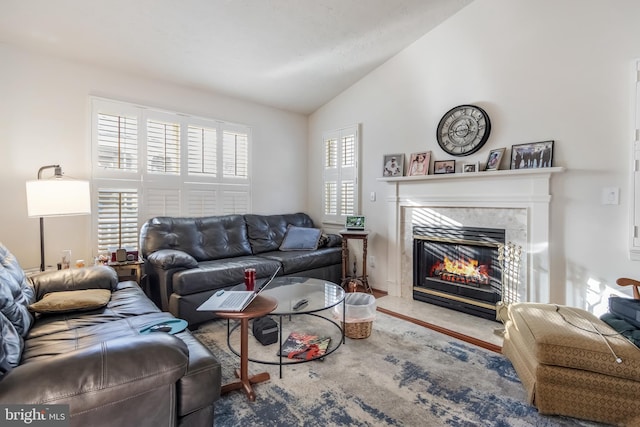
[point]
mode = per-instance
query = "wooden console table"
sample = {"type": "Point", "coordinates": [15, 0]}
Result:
{"type": "Point", "coordinates": [359, 235]}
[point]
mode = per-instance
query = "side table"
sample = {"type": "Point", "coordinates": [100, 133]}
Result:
{"type": "Point", "coordinates": [359, 235]}
{"type": "Point", "coordinates": [128, 270]}
{"type": "Point", "coordinates": [260, 306]}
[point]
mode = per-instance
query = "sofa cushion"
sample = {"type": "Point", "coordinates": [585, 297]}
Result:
{"type": "Point", "coordinates": [298, 261]}
{"type": "Point", "coordinates": [127, 301]}
{"type": "Point", "coordinates": [266, 232]}
{"type": "Point", "coordinates": [70, 301]}
{"type": "Point", "coordinates": [171, 258]}
{"type": "Point", "coordinates": [300, 238]}
{"type": "Point", "coordinates": [220, 273]}
{"type": "Point", "coordinates": [205, 238]}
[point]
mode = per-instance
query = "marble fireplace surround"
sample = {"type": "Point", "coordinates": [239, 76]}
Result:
{"type": "Point", "coordinates": [517, 201]}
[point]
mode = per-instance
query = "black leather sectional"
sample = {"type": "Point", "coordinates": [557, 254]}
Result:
{"type": "Point", "coordinates": [99, 362]}
{"type": "Point", "coordinates": [188, 259]}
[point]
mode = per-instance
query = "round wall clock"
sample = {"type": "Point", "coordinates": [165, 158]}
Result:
{"type": "Point", "coordinates": [463, 130]}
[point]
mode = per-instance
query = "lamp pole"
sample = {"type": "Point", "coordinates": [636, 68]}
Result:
{"type": "Point", "coordinates": [57, 174]}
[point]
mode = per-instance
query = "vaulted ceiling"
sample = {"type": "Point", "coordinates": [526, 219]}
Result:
{"type": "Point", "coordinates": [291, 54]}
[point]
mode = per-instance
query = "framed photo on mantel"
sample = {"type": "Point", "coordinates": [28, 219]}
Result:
{"type": "Point", "coordinates": [494, 159]}
{"type": "Point", "coordinates": [532, 156]}
{"type": "Point", "coordinates": [419, 163]}
{"type": "Point", "coordinates": [444, 166]}
{"type": "Point", "coordinates": [393, 165]}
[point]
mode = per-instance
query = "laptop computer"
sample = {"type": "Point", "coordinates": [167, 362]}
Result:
{"type": "Point", "coordinates": [233, 300]}
{"type": "Point", "coordinates": [354, 222]}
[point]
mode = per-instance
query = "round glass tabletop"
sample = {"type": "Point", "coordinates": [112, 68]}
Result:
{"type": "Point", "coordinates": [292, 292]}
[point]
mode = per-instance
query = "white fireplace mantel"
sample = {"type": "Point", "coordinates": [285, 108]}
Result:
{"type": "Point", "coordinates": [525, 190]}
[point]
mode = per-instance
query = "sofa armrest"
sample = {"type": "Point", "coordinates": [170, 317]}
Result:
{"type": "Point", "coordinates": [98, 375]}
{"type": "Point", "coordinates": [167, 259]}
{"type": "Point", "coordinates": [94, 277]}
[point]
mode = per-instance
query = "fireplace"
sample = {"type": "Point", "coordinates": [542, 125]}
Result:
{"type": "Point", "coordinates": [458, 268]}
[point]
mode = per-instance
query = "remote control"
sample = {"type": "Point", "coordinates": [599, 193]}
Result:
{"type": "Point", "coordinates": [300, 304]}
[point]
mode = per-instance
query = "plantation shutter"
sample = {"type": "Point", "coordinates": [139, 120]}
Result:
{"type": "Point", "coordinates": [235, 202]}
{"type": "Point", "coordinates": [202, 202]}
{"type": "Point", "coordinates": [348, 173]}
{"type": "Point", "coordinates": [235, 155]}
{"type": "Point", "coordinates": [162, 202]}
{"type": "Point", "coordinates": [117, 144]}
{"type": "Point", "coordinates": [202, 151]}
{"type": "Point", "coordinates": [163, 147]}
{"type": "Point", "coordinates": [340, 174]}
{"type": "Point", "coordinates": [117, 219]}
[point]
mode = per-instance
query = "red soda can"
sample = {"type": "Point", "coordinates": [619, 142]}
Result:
{"type": "Point", "coordinates": [250, 278]}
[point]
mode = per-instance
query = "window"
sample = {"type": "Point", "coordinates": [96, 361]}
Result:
{"type": "Point", "coordinates": [148, 162]}
{"type": "Point", "coordinates": [340, 176]}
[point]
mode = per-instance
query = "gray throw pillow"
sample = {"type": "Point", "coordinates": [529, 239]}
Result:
{"type": "Point", "coordinates": [300, 238]}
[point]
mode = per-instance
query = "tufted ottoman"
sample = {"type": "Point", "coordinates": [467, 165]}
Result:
{"type": "Point", "coordinates": [572, 363]}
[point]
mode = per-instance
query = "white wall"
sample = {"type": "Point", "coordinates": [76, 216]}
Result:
{"type": "Point", "coordinates": [45, 119]}
{"type": "Point", "coordinates": [542, 69]}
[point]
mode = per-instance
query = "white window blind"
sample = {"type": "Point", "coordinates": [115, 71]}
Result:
{"type": "Point", "coordinates": [163, 147]}
{"type": "Point", "coordinates": [169, 163]}
{"type": "Point", "coordinates": [202, 157]}
{"type": "Point", "coordinates": [117, 219]}
{"type": "Point", "coordinates": [117, 143]}
{"type": "Point", "coordinates": [340, 175]}
{"type": "Point", "coordinates": [235, 155]}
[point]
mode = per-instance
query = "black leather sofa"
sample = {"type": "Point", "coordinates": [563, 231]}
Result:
{"type": "Point", "coordinates": [97, 361]}
{"type": "Point", "coordinates": [188, 259]}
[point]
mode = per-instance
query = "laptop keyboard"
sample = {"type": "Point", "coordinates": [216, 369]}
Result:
{"type": "Point", "coordinates": [233, 300]}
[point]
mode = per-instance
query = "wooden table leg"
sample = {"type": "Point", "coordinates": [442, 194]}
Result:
{"type": "Point", "coordinates": [244, 381]}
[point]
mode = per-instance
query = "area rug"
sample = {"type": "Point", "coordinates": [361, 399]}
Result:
{"type": "Point", "coordinates": [401, 375]}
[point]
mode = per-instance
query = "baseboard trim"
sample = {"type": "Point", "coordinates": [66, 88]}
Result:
{"type": "Point", "coordinates": [466, 338]}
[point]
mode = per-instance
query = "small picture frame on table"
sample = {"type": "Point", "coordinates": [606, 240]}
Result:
{"type": "Point", "coordinates": [393, 165]}
{"type": "Point", "coordinates": [494, 159]}
{"type": "Point", "coordinates": [533, 155]}
{"type": "Point", "coordinates": [419, 163]}
{"type": "Point", "coordinates": [471, 167]}
{"type": "Point", "coordinates": [444, 166]}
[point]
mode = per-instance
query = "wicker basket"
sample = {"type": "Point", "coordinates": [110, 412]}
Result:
{"type": "Point", "coordinates": [357, 330]}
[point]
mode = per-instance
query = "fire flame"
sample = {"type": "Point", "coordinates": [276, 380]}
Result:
{"type": "Point", "coordinates": [461, 267]}
{"type": "Point", "coordinates": [460, 270]}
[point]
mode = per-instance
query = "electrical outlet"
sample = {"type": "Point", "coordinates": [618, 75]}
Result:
{"type": "Point", "coordinates": [371, 261]}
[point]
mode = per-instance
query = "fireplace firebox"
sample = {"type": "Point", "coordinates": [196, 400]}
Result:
{"type": "Point", "coordinates": [458, 268]}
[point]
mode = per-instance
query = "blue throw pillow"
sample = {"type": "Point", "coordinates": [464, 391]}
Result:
{"type": "Point", "coordinates": [300, 238]}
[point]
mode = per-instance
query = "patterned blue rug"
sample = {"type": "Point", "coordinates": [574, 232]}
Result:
{"type": "Point", "coordinates": [401, 375]}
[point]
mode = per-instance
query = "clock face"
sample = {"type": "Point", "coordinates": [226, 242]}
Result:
{"type": "Point", "coordinates": [463, 130]}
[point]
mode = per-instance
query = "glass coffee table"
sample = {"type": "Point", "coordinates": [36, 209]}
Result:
{"type": "Point", "coordinates": [321, 297]}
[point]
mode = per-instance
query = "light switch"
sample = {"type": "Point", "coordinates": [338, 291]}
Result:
{"type": "Point", "coordinates": [610, 196]}
{"type": "Point", "coordinates": [372, 196]}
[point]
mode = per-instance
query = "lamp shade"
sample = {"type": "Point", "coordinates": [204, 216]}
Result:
{"type": "Point", "coordinates": [58, 197]}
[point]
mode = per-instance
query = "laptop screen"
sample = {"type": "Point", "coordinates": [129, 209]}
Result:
{"type": "Point", "coordinates": [355, 222]}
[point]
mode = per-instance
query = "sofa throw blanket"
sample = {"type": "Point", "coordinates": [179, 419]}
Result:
{"type": "Point", "coordinates": [16, 293]}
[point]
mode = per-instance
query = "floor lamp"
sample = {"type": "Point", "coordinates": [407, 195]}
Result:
{"type": "Point", "coordinates": [56, 196]}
